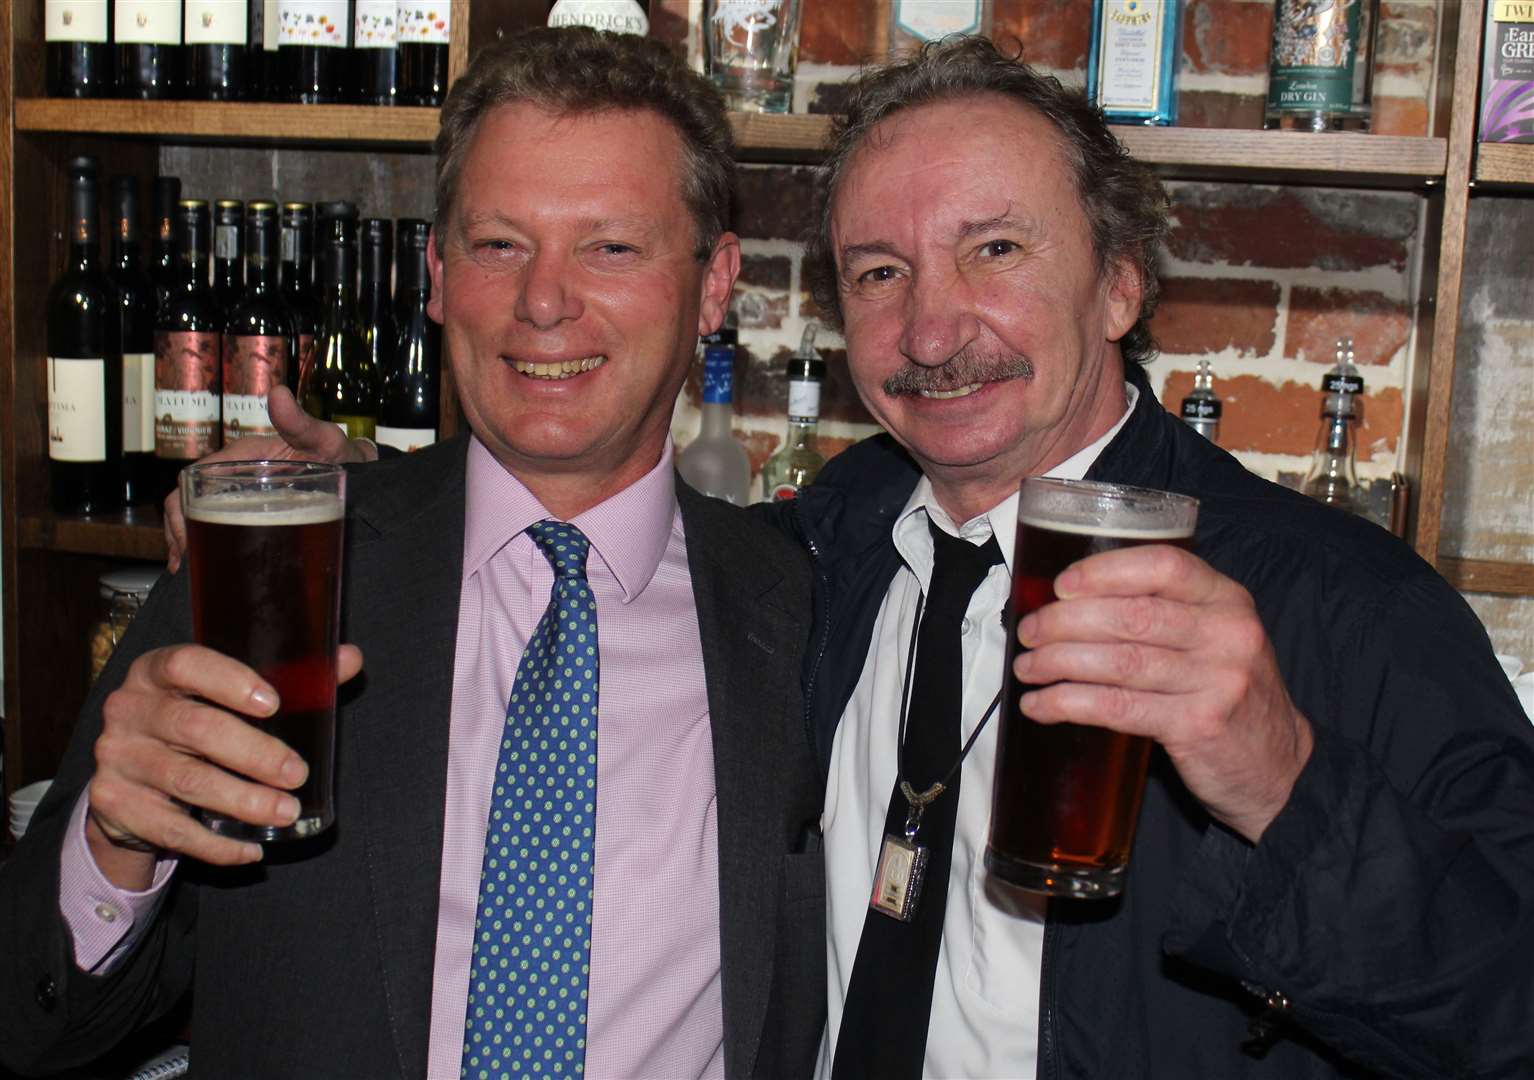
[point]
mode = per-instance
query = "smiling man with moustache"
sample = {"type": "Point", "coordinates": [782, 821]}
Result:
{"type": "Point", "coordinates": [1334, 868]}
{"type": "Point", "coordinates": [579, 249]}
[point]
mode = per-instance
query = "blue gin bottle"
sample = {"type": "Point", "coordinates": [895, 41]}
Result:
{"type": "Point", "coordinates": [1132, 66]}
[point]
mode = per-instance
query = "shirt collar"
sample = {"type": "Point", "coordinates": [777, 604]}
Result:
{"type": "Point", "coordinates": [628, 532]}
{"type": "Point", "coordinates": [914, 542]}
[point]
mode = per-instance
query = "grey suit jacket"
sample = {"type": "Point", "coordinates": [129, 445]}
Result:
{"type": "Point", "coordinates": [322, 966]}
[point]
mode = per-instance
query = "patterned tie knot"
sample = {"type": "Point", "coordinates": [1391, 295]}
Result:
{"type": "Point", "coordinates": [563, 545]}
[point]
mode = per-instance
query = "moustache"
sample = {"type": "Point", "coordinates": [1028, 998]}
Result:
{"type": "Point", "coordinates": [961, 369]}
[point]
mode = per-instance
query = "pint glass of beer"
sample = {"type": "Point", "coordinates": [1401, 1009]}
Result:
{"type": "Point", "coordinates": [1067, 796]}
{"type": "Point", "coordinates": [264, 559]}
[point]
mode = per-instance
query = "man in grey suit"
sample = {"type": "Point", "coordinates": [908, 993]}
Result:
{"type": "Point", "coordinates": [579, 249]}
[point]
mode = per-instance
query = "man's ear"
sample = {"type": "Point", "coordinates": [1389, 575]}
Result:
{"type": "Point", "coordinates": [434, 271]}
{"type": "Point", "coordinates": [1125, 291]}
{"type": "Point", "coordinates": [718, 283]}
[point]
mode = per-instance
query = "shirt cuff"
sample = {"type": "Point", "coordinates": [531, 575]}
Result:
{"type": "Point", "coordinates": [104, 922]}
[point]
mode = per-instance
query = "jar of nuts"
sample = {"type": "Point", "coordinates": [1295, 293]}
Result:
{"type": "Point", "coordinates": [123, 592]}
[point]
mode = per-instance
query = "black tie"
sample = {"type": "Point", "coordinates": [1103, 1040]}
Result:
{"type": "Point", "coordinates": [889, 998]}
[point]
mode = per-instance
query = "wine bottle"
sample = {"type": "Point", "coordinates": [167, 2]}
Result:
{"type": "Point", "coordinates": [186, 353]}
{"type": "Point", "coordinates": [376, 306]}
{"type": "Point", "coordinates": [407, 417]}
{"type": "Point", "coordinates": [167, 194]}
{"type": "Point", "coordinates": [715, 463]}
{"type": "Point", "coordinates": [148, 37]}
{"type": "Point", "coordinates": [423, 33]}
{"type": "Point", "coordinates": [345, 387]}
{"type": "Point", "coordinates": [312, 41]}
{"type": "Point", "coordinates": [228, 257]}
{"type": "Point", "coordinates": [219, 49]}
{"type": "Point", "coordinates": [297, 278]}
{"type": "Point", "coordinates": [137, 301]}
{"type": "Point", "coordinates": [373, 56]}
{"type": "Point", "coordinates": [79, 50]}
{"type": "Point", "coordinates": [274, 86]}
{"type": "Point", "coordinates": [84, 365]}
{"type": "Point", "coordinates": [799, 459]}
{"type": "Point", "coordinates": [259, 334]}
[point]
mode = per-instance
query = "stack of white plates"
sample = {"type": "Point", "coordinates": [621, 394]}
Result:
{"type": "Point", "coordinates": [23, 802]}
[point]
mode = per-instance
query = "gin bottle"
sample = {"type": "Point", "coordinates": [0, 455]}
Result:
{"type": "Point", "coordinates": [798, 460]}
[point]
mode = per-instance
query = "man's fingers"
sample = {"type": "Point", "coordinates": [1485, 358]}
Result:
{"type": "Point", "coordinates": [202, 672]}
{"type": "Point", "coordinates": [348, 663]}
{"type": "Point", "coordinates": [1131, 666]}
{"type": "Point", "coordinates": [162, 825]}
{"type": "Point", "coordinates": [306, 437]}
{"type": "Point", "coordinates": [1151, 569]}
{"type": "Point", "coordinates": [1133, 712]}
{"type": "Point", "coordinates": [1149, 620]}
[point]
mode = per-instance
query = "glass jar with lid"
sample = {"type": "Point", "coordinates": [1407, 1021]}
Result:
{"type": "Point", "coordinates": [123, 592]}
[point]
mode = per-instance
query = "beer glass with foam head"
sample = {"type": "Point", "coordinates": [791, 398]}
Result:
{"type": "Point", "coordinates": [1067, 796]}
{"type": "Point", "coordinates": [264, 562]}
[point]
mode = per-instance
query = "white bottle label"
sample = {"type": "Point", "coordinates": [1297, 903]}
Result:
{"type": "Point", "coordinates": [138, 403]}
{"type": "Point", "coordinates": [375, 24]}
{"type": "Point", "coordinates": [405, 438]}
{"type": "Point", "coordinates": [216, 22]}
{"type": "Point", "coordinates": [619, 16]}
{"type": "Point", "coordinates": [77, 409]}
{"type": "Point", "coordinates": [803, 401]}
{"type": "Point", "coordinates": [226, 241]}
{"type": "Point", "coordinates": [75, 20]}
{"type": "Point", "coordinates": [929, 20]}
{"type": "Point", "coordinates": [270, 32]}
{"type": "Point", "coordinates": [147, 22]}
{"type": "Point", "coordinates": [424, 24]}
{"type": "Point", "coordinates": [312, 22]}
{"type": "Point", "coordinates": [1129, 72]}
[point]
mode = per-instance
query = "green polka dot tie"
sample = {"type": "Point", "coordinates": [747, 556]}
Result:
{"type": "Point", "coordinates": [532, 933]}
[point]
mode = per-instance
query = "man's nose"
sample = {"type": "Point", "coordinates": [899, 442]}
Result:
{"type": "Point", "coordinates": [548, 295]}
{"type": "Point", "coordinates": [939, 319]}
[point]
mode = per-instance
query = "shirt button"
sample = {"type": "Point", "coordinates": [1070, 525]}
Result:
{"type": "Point", "coordinates": [106, 913]}
{"type": "Point", "coordinates": [964, 627]}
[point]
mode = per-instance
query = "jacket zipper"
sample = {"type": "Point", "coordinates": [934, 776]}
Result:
{"type": "Point", "coordinates": [820, 650]}
{"type": "Point", "coordinates": [1048, 1068]}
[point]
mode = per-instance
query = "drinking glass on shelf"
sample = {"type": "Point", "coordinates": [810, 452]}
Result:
{"type": "Point", "coordinates": [752, 49]}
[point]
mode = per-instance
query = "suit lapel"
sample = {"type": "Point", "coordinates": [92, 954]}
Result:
{"type": "Point", "coordinates": [404, 582]}
{"type": "Point", "coordinates": [751, 645]}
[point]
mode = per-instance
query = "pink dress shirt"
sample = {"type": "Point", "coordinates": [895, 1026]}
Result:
{"type": "Point", "coordinates": [655, 1007]}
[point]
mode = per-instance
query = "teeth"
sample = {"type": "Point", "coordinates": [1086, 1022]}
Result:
{"type": "Point", "coordinates": [559, 369]}
{"type": "Point", "coordinates": [944, 395]}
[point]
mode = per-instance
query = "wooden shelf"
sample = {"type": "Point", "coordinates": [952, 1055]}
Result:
{"type": "Point", "coordinates": [240, 122]}
{"type": "Point", "coordinates": [1486, 576]}
{"type": "Point", "coordinates": [1504, 163]}
{"type": "Point", "coordinates": [133, 534]}
{"type": "Point", "coordinates": [1346, 158]}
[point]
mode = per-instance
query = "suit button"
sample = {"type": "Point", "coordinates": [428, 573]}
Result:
{"type": "Point", "coordinates": [46, 994]}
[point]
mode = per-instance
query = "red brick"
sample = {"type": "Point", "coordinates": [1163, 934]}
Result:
{"type": "Point", "coordinates": [1054, 33]}
{"type": "Point", "coordinates": [1399, 116]}
{"type": "Point", "coordinates": [766, 271]}
{"type": "Point", "coordinates": [1260, 417]}
{"type": "Point", "coordinates": [1327, 229]}
{"type": "Point", "coordinates": [1226, 37]}
{"type": "Point", "coordinates": [1407, 35]}
{"type": "Point", "coordinates": [776, 202]}
{"type": "Point", "coordinates": [1218, 109]}
{"type": "Point", "coordinates": [761, 388]}
{"type": "Point", "coordinates": [1378, 324]}
{"type": "Point", "coordinates": [838, 32]}
{"type": "Point", "coordinates": [1202, 315]}
{"type": "Point", "coordinates": [669, 23]}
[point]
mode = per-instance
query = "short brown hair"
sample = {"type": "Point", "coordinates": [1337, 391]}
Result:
{"type": "Point", "coordinates": [1123, 201]}
{"type": "Point", "coordinates": [575, 69]}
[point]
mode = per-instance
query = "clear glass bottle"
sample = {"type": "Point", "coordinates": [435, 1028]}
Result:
{"type": "Point", "coordinates": [1333, 475]}
{"type": "Point", "coordinates": [1201, 408]}
{"type": "Point", "coordinates": [798, 460]}
{"type": "Point", "coordinates": [715, 463]}
{"type": "Point", "coordinates": [1321, 67]}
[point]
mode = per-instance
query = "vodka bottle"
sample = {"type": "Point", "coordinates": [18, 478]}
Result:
{"type": "Point", "coordinates": [1201, 409]}
{"type": "Point", "coordinates": [715, 463]}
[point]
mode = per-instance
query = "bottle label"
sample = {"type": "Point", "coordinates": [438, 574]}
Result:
{"type": "Point", "coordinates": [718, 376]}
{"type": "Point", "coordinates": [425, 24]}
{"type": "Point", "coordinates": [253, 364]}
{"type": "Point", "coordinates": [77, 409]}
{"type": "Point", "coordinates": [618, 16]}
{"type": "Point", "coordinates": [287, 240]}
{"type": "Point", "coordinates": [1129, 70]}
{"type": "Point", "coordinates": [1315, 49]}
{"type": "Point", "coordinates": [1333, 383]}
{"type": "Point", "coordinates": [803, 401]}
{"type": "Point", "coordinates": [312, 22]}
{"type": "Point", "coordinates": [357, 427]}
{"type": "Point", "coordinates": [138, 403]}
{"type": "Point", "coordinates": [408, 439]}
{"type": "Point", "coordinates": [783, 493]}
{"type": "Point", "coordinates": [271, 31]}
{"type": "Point", "coordinates": [375, 25]}
{"type": "Point", "coordinates": [216, 22]}
{"type": "Point", "coordinates": [928, 20]}
{"type": "Point", "coordinates": [226, 241]}
{"type": "Point", "coordinates": [305, 363]}
{"type": "Point", "coordinates": [1200, 408]}
{"type": "Point", "coordinates": [75, 20]}
{"type": "Point", "coordinates": [147, 22]}
{"type": "Point", "coordinates": [185, 393]}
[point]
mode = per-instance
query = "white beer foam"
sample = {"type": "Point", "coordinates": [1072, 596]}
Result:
{"type": "Point", "coordinates": [1110, 531]}
{"type": "Point", "coordinates": [265, 508]}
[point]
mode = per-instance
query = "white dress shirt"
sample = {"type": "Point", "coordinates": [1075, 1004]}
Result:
{"type": "Point", "coordinates": [985, 1001]}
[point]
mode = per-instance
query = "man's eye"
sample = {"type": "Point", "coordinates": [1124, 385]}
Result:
{"type": "Point", "coordinates": [998, 247]}
{"type": "Point", "coordinates": [493, 246]}
{"type": "Point", "coordinates": [876, 275]}
{"type": "Point", "coordinates": [615, 248]}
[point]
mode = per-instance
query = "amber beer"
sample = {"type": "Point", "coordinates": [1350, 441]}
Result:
{"type": "Point", "coordinates": [1067, 796]}
{"type": "Point", "coordinates": [264, 559]}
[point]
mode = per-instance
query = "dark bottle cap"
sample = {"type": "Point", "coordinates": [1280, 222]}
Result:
{"type": "Point", "coordinates": [336, 208]}
{"type": "Point", "coordinates": [84, 165]}
{"type": "Point", "coordinates": [228, 211]}
{"type": "Point", "coordinates": [192, 226]}
{"type": "Point", "coordinates": [125, 208]}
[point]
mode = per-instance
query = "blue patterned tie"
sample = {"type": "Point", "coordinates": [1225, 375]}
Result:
{"type": "Point", "coordinates": [532, 934]}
